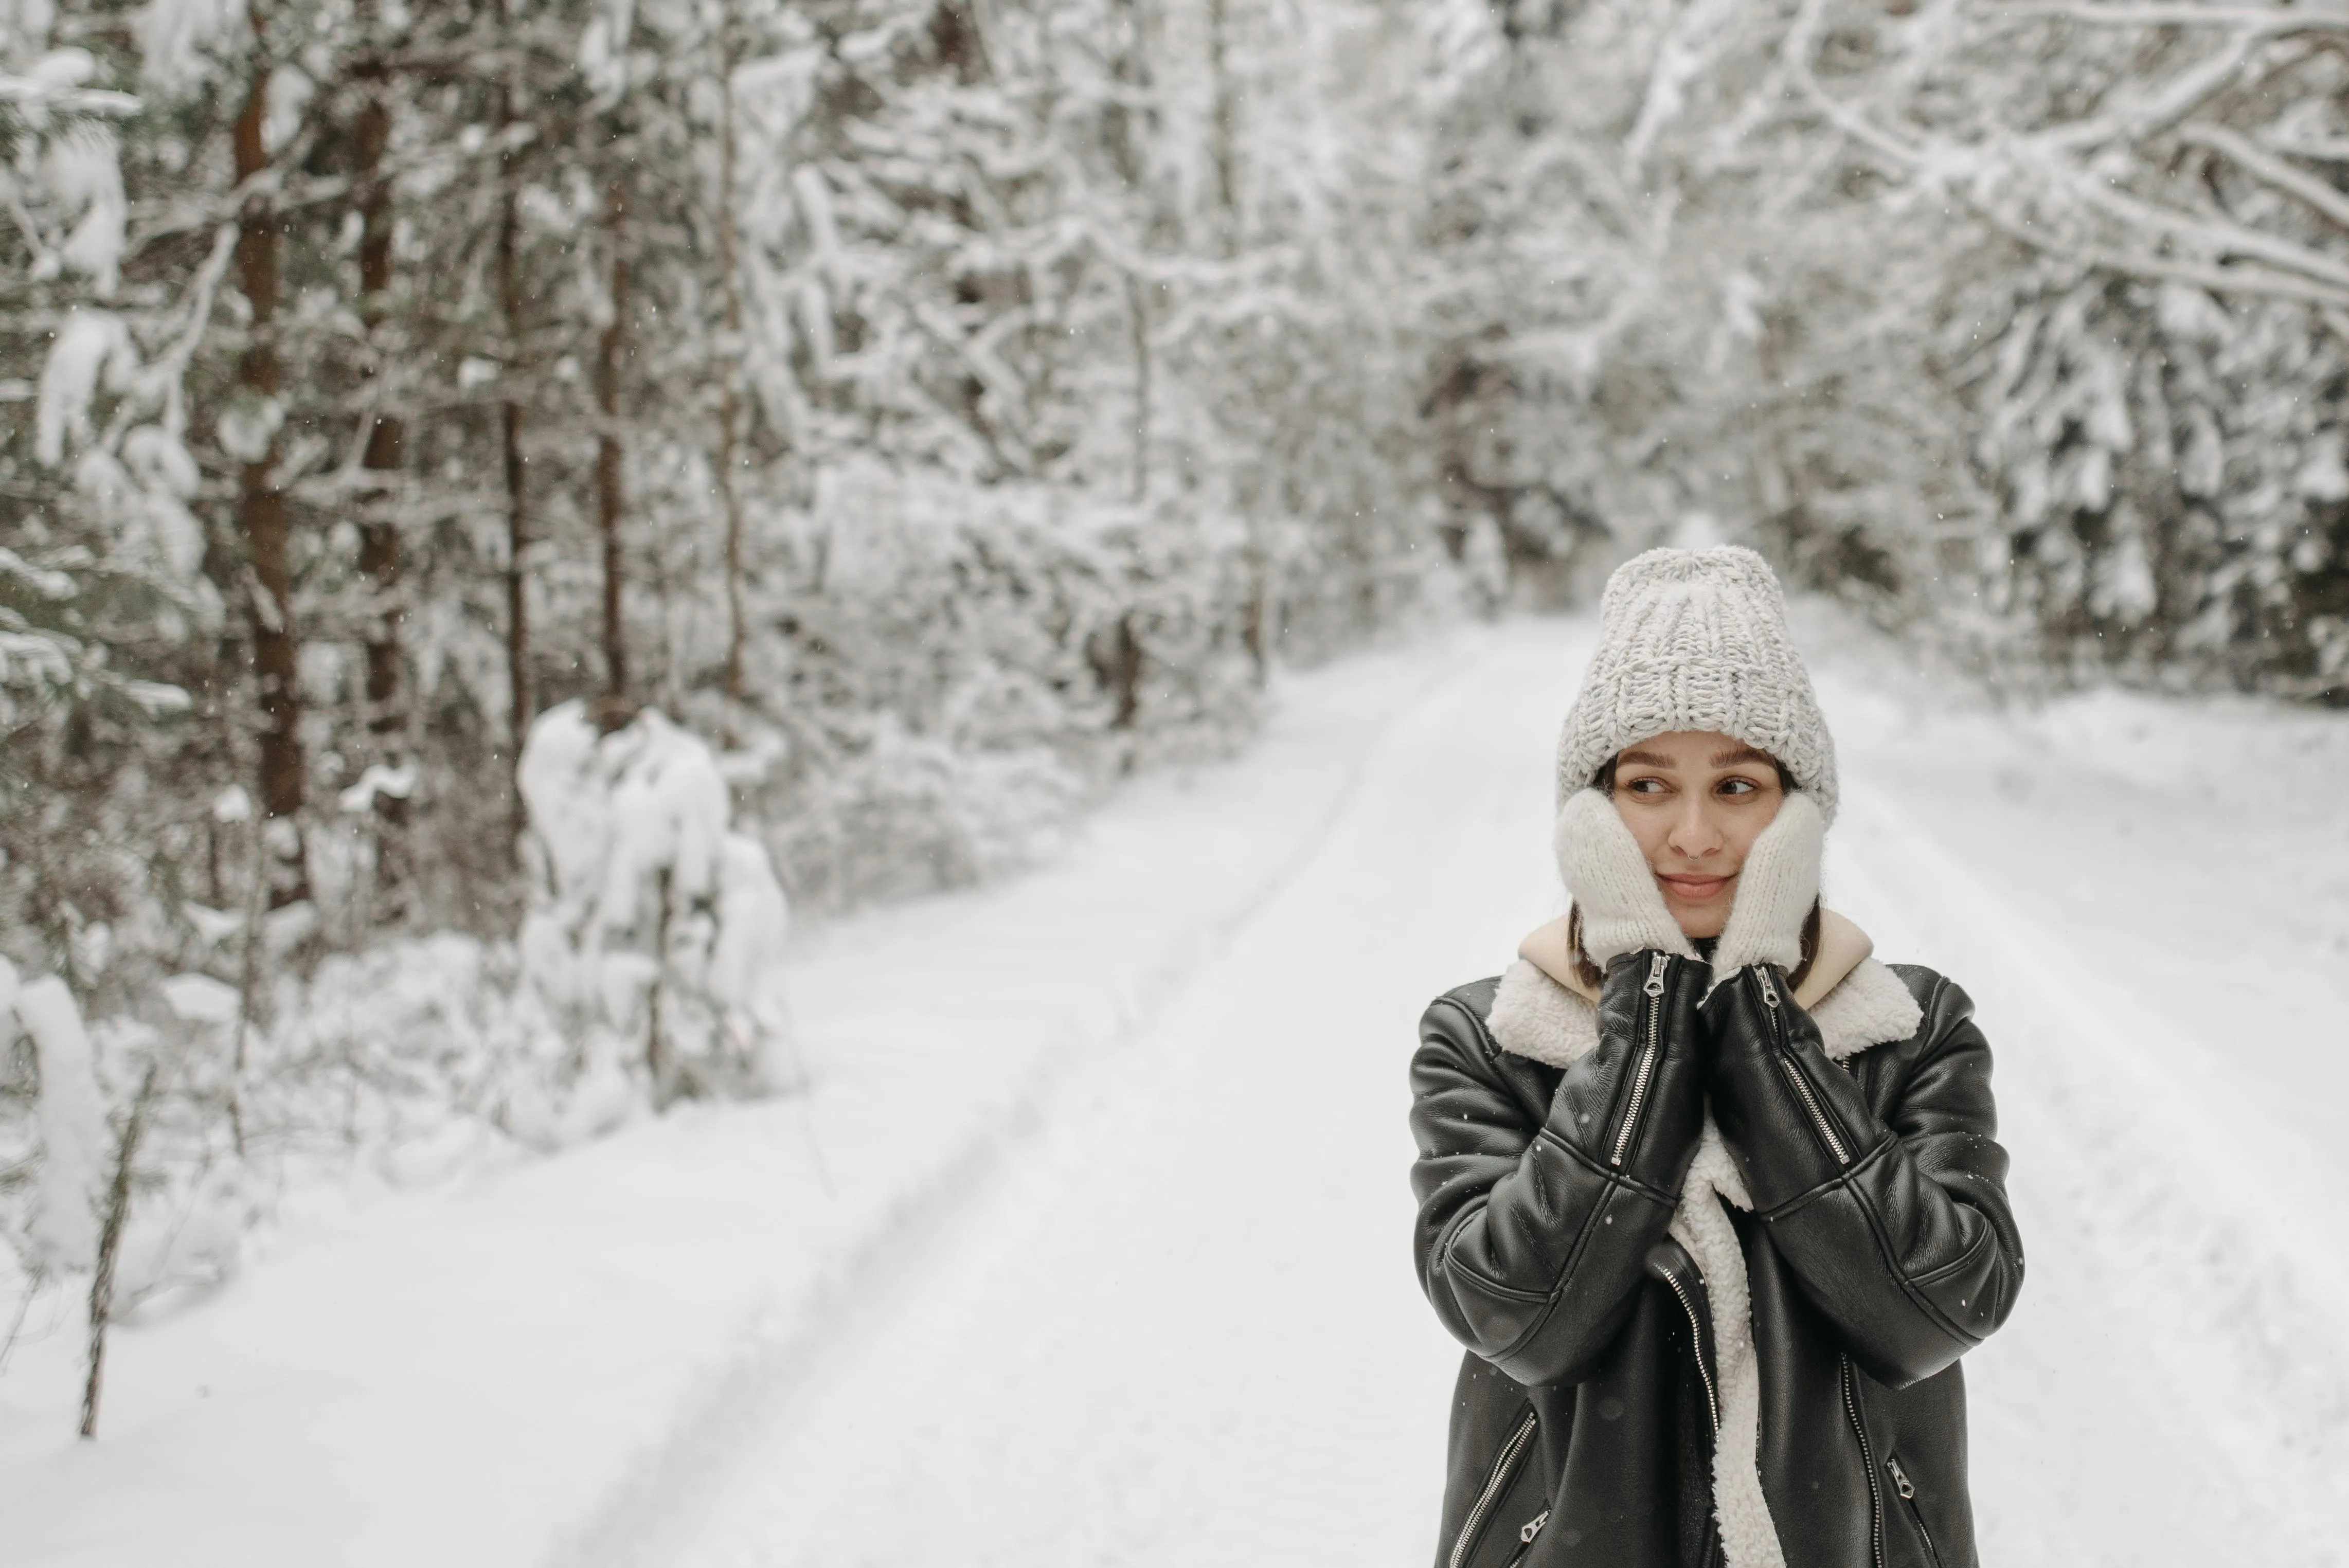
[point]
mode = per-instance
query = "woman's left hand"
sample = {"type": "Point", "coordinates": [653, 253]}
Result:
{"type": "Point", "coordinates": [1777, 888]}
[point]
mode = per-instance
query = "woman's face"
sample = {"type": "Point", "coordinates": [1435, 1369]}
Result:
{"type": "Point", "coordinates": [1696, 800]}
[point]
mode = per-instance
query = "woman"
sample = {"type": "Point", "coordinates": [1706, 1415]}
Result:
{"type": "Point", "coordinates": [1713, 1197]}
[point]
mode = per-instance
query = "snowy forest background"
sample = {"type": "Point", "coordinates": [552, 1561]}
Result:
{"type": "Point", "coordinates": [502, 497]}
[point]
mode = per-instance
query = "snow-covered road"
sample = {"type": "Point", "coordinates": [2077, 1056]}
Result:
{"type": "Point", "coordinates": [1090, 1246]}
{"type": "Point", "coordinates": [1181, 1327]}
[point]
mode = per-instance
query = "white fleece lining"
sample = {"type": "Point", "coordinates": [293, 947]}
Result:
{"type": "Point", "coordinates": [1871, 1007]}
{"type": "Point", "coordinates": [1534, 1016]}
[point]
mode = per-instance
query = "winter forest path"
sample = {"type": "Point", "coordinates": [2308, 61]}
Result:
{"type": "Point", "coordinates": [1089, 1247]}
{"type": "Point", "coordinates": [1184, 1329]}
{"type": "Point", "coordinates": [1177, 1326]}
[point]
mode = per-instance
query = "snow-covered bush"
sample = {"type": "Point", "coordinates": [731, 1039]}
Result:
{"type": "Point", "coordinates": [62, 1144]}
{"type": "Point", "coordinates": [68, 1090]}
{"type": "Point", "coordinates": [653, 944]}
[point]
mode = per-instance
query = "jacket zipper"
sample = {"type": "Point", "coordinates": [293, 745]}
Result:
{"type": "Point", "coordinates": [1868, 1463]}
{"type": "Point", "coordinates": [1654, 991]}
{"type": "Point", "coordinates": [1533, 1527]}
{"type": "Point", "coordinates": [1503, 1466]}
{"type": "Point", "coordinates": [1794, 1075]}
{"type": "Point", "coordinates": [1908, 1491]}
{"type": "Point", "coordinates": [1696, 1348]}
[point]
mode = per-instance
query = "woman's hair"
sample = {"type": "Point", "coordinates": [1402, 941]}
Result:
{"type": "Point", "coordinates": [1592, 976]}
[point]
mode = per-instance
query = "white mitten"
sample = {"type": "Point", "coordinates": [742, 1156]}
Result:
{"type": "Point", "coordinates": [1622, 907]}
{"type": "Point", "coordinates": [1775, 890]}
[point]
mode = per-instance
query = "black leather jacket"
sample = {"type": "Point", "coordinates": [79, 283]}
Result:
{"type": "Point", "coordinates": [1880, 1249]}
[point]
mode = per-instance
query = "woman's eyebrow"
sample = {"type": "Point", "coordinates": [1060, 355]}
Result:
{"type": "Point", "coordinates": [1647, 759]}
{"type": "Point", "coordinates": [1740, 754]}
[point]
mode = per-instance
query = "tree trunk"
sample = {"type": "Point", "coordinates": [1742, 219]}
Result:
{"type": "Point", "coordinates": [661, 1065]}
{"type": "Point", "coordinates": [1224, 127]}
{"type": "Point", "coordinates": [388, 717]}
{"type": "Point", "coordinates": [1137, 309]}
{"type": "Point", "coordinates": [263, 520]}
{"type": "Point", "coordinates": [520, 702]}
{"type": "Point", "coordinates": [730, 352]}
{"type": "Point", "coordinates": [1257, 610]}
{"type": "Point", "coordinates": [1126, 69]}
{"type": "Point", "coordinates": [109, 1246]}
{"type": "Point", "coordinates": [1117, 664]}
{"type": "Point", "coordinates": [611, 494]}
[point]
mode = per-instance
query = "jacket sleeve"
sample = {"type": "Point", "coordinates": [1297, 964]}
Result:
{"type": "Point", "coordinates": [1535, 1220]}
{"type": "Point", "coordinates": [1896, 1226]}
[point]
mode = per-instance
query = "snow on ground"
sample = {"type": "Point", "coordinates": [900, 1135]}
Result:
{"type": "Point", "coordinates": [1090, 1246]}
{"type": "Point", "coordinates": [460, 1377]}
{"type": "Point", "coordinates": [2149, 902]}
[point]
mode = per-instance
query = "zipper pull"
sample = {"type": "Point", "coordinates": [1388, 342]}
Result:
{"type": "Point", "coordinates": [1533, 1526]}
{"type": "Point", "coordinates": [1900, 1482]}
{"type": "Point", "coordinates": [1655, 986]}
{"type": "Point", "coordinates": [1769, 991]}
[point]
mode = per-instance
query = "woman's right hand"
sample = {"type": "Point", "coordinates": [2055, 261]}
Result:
{"type": "Point", "coordinates": [1622, 910]}
{"type": "Point", "coordinates": [1535, 1220]}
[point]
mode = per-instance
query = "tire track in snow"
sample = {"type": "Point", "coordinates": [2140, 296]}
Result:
{"type": "Point", "coordinates": [2173, 1386]}
{"type": "Point", "coordinates": [946, 1229]}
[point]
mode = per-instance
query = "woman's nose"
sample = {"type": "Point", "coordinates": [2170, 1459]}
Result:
{"type": "Point", "coordinates": [1693, 836]}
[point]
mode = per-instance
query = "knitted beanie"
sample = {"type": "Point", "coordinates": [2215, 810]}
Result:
{"type": "Point", "coordinates": [1697, 639]}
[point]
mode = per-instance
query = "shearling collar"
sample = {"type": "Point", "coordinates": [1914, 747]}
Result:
{"type": "Point", "coordinates": [1543, 1011]}
{"type": "Point", "coordinates": [1842, 947]}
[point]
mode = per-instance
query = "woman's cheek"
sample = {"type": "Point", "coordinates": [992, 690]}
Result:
{"type": "Point", "coordinates": [1642, 829]}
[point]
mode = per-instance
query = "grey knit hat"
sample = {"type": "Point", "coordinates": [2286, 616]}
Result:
{"type": "Point", "coordinates": [1697, 639]}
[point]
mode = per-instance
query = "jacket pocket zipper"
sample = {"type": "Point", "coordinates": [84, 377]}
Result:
{"type": "Point", "coordinates": [1696, 1348]}
{"type": "Point", "coordinates": [1504, 1466]}
{"type": "Point", "coordinates": [1532, 1528]}
{"type": "Point", "coordinates": [1795, 1078]}
{"type": "Point", "coordinates": [1867, 1465]}
{"type": "Point", "coordinates": [1646, 1069]}
{"type": "Point", "coordinates": [1908, 1491]}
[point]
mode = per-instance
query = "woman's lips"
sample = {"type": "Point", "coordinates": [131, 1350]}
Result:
{"type": "Point", "coordinates": [1695, 889]}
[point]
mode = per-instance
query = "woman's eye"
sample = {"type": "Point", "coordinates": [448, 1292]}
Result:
{"type": "Point", "coordinates": [1737, 786]}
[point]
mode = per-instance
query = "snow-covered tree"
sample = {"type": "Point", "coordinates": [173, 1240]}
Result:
{"type": "Point", "coordinates": [894, 418]}
{"type": "Point", "coordinates": [2035, 308]}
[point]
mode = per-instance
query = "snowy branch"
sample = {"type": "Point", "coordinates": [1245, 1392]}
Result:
{"type": "Point", "coordinates": [2316, 193]}
{"type": "Point", "coordinates": [2266, 20]}
{"type": "Point", "coordinates": [2206, 231]}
